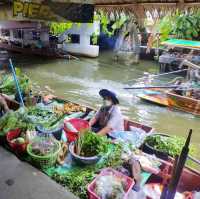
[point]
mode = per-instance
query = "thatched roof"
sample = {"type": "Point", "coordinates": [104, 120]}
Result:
{"type": "Point", "coordinates": [144, 5]}
{"type": "Point", "coordinates": [140, 7]}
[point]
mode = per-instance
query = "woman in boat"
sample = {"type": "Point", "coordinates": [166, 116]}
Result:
{"type": "Point", "coordinates": [109, 117]}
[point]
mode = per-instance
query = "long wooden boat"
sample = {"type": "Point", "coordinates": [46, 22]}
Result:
{"type": "Point", "coordinates": [173, 100]}
{"type": "Point", "coordinates": [190, 179]}
{"type": "Point", "coordinates": [127, 123]}
{"type": "Point", "coordinates": [48, 52]}
{"type": "Point", "coordinates": [183, 103]}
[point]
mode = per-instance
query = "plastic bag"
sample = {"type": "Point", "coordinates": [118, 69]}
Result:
{"type": "Point", "coordinates": [109, 187]}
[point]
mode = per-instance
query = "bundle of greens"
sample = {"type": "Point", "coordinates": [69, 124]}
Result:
{"type": "Point", "coordinates": [77, 179]}
{"type": "Point", "coordinates": [46, 118]}
{"type": "Point", "coordinates": [170, 145]}
{"type": "Point", "coordinates": [8, 86]}
{"type": "Point", "coordinates": [90, 144]}
{"type": "Point", "coordinates": [13, 120]}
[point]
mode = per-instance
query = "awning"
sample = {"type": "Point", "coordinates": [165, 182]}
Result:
{"type": "Point", "coordinates": [182, 43]}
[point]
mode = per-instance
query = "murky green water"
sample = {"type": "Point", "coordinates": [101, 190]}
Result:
{"type": "Point", "coordinates": [81, 80]}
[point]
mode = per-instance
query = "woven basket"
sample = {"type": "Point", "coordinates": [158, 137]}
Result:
{"type": "Point", "coordinates": [44, 162]}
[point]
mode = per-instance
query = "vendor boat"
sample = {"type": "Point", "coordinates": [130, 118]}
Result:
{"type": "Point", "coordinates": [190, 179]}
{"type": "Point", "coordinates": [180, 49]}
{"type": "Point", "coordinates": [127, 123]}
{"type": "Point", "coordinates": [172, 100]}
{"type": "Point", "coordinates": [189, 183]}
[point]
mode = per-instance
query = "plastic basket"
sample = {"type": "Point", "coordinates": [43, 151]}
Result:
{"type": "Point", "coordinates": [18, 148]}
{"type": "Point", "coordinates": [78, 124]}
{"type": "Point", "coordinates": [56, 132]}
{"type": "Point", "coordinates": [107, 171]}
{"type": "Point", "coordinates": [44, 162]}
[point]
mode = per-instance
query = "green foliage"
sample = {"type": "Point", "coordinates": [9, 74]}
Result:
{"type": "Point", "coordinates": [184, 25]}
{"type": "Point", "coordinates": [58, 28]}
{"type": "Point", "coordinates": [77, 179]}
{"type": "Point", "coordinates": [90, 144]}
{"type": "Point", "coordinates": [170, 145]}
{"type": "Point", "coordinates": [13, 120]}
{"type": "Point", "coordinates": [8, 86]}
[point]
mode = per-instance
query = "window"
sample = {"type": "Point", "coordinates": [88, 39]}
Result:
{"type": "Point", "coordinates": [74, 38]}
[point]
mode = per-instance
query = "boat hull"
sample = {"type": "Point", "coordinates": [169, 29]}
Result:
{"type": "Point", "coordinates": [174, 101]}
{"type": "Point", "coordinates": [183, 103]}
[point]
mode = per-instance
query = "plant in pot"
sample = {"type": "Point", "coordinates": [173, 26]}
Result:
{"type": "Point", "coordinates": [88, 148]}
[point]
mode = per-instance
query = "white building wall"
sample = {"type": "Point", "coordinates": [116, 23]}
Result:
{"type": "Point", "coordinates": [83, 48]}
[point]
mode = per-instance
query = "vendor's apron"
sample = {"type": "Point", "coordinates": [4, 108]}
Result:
{"type": "Point", "coordinates": [104, 116]}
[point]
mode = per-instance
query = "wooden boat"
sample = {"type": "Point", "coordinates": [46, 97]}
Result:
{"type": "Point", "coordinates": [183, 103]}
{"type": "Point", "coordinates": [189, 181]}
{"type": "Point", "coordinates": [47, 52]}
{"type": "Point", "coordinates": [190, 178]}
{"type": "Point", "coordinates": [172, 100]}
{"type": "Point", "coordinates": [12, 104]}
{"type": "Point", "coordinates": [127, 123]}
{"type": "Point", "coordinates": [171, 60]}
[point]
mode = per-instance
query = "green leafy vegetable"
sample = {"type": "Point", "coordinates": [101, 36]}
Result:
{"type": "Point", "coordinates": [77, 179]}
{"type": "Point", "coordinates": [8, 86]}
{"type": "Point", "coordinates": [170, 145]}
{"type": "Point", "coordinates": [90, 144]}
{"type": "Point", "coordinates": [13, 120]}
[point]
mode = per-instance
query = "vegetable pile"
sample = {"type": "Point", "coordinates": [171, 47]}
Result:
{"type": "Point", "coordinates": [90, 144]}
{"type": "Point", "coordinates": [13, 120]}
{"type": "Point", "coordinates": [110, 187]}
{"type": "Point", "coordinates": [170, 145]}
{"type": "Point", "coordinates": [77, 180]}
{"type": "Point", "coordinates": [7, 85]}
{"type": "Point", "coordinates": [44, 146]}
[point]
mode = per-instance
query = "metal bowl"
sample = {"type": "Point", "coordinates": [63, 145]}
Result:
{"type": "Point", "coordinates": [80, 159]}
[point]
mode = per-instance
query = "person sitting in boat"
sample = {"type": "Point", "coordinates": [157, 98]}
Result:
{"type": "Point", "coordinates": [109, 117]}
{"type": "Point", "coordinates": [194, 76]}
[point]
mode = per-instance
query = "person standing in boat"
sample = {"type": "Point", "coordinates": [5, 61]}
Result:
{"type": "Point", "coordinates": [109, 117]}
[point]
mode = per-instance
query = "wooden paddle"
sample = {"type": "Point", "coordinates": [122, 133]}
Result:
{"type": "Point", "coordinates": [150, 87]}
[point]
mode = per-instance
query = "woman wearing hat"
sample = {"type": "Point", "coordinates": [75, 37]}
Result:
{"type": "Point", "coordinates": [109, 117]}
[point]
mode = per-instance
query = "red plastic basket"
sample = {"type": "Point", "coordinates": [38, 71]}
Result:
{"type": "Point", "coordinates": [78, 124]}
{"type": "Point", "coordinates": [129, 183]}
{"type": "Point", "coordinates": [18, 148]}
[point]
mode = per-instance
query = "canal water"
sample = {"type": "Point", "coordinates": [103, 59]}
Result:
{"type": "Point", "coordinates": [80, 81]}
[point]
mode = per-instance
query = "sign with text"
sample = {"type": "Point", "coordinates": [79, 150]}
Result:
{"type": "Point", "coordinates": [47, 10]}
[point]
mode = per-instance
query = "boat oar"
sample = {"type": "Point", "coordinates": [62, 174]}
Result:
{"type": "Point", "coordinates": [159, 75]}
{"type": "Point", "coordinates": [193, 160]}
{"type": "Point", "coordinates": [16, 82]}
{"type": "Point", "coordinates": [150, 87]}
{"type": "Point", "coordinates": [179, 168]}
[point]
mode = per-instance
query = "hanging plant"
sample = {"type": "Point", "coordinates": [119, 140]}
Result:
{"type": "Point", "coordinates": [117, 20]}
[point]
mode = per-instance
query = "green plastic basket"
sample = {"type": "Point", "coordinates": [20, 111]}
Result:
{"type": "Point", "coordinates": [44, 162]}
